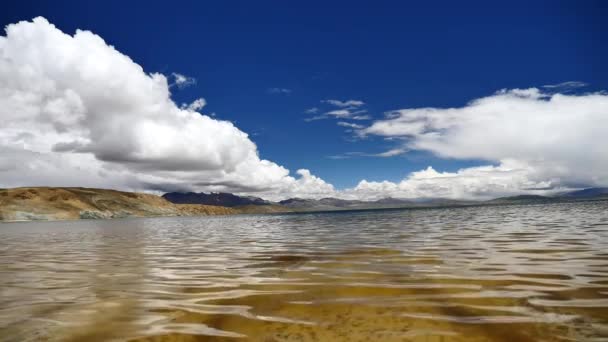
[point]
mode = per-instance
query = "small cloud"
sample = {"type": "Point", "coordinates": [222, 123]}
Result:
{"type": "Point", "coordinates": [195, 106]}
{"type": "Point", "coordinates": [182, 81]}
{"type": "Point", "coordinates": [279, 91]}
{"type": "Point", "coordinates": [315, 118]}
{"type": "Point", "coordinates": [346, 113]}
{"type": "Point", "coordinates": [569, 84]}
{"type": "Point", "coordinates": [340, 113]}
{"type": "Point", "coordinates": [346, 155]}
{"type": "Point", "coordinates": [390, 153]}
{"type": "Point", "coordinates": [342, 104]}
{"type": "Point", "coordinates": [338, 157]}
{"type": "Point", "coordinates": [564, 87]}
{"type": "Point", "coordinates": [349, 114]}
{"type": "Point", "coordinates": [350, 109]}
{"type": "Point", "coordinates": [350, 125]}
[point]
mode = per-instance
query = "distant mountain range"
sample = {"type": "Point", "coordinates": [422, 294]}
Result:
{"type": "Point", "coordinates": [523, 198]}
{"type": "Point", "coordinates": [341, 204]}
{"type": "Point", "coordinates": [47, 203]}
{"type": "Point", "coordinates": [301, 204]}
{"type": "Point", "coordinates": [215, 198]}
{"type": "Point", "coordinates": [586, 193]}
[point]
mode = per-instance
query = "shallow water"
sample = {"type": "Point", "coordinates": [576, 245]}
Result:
{"type": "Point", "coordinates": [511, 273]}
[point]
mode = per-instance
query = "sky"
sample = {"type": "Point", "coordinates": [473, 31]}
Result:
{"type": "Point", "coordinates": [360, 100]}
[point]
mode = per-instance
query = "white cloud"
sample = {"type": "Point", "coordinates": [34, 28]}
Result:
{"type": "Point", "coordinates": [339, 113]}
{"type": "Point", "coordinates": [342, 114]}
{"type": "Point", "coordinates": [482, 182]}
{"type": "Point", "coordinates": [76, 112]}
{"type": "Point", "coordinates": [566, 85]}
{"type": "Point", "coordinates": [307, 186]}
{"type": "Point", "coordinates": [554, 138]}
{"type": "Point", "coordinates": [195, 105]}
{"type": "Point", "coordinates": [279, 91]}
{"type": "Point", "coordinates": [182, 81]}
{"type": "Point", "coordinates": [390, 153]}
{"type": "Point", "coordinates": [349, 109]}
{"type": "Point", "coordinates": [350, 125]}
{"type": "Point", "coordinates": [347, 103]}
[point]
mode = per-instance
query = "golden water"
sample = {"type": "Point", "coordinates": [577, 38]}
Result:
{"type": "Point", "coordinates": [511, 273]}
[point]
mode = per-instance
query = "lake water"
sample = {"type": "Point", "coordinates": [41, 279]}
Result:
{"type": "Point", "coordinates": [510, 273]}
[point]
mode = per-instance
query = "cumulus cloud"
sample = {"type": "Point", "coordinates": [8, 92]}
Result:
{"type": "Point", "coordinates": [78, 112]}
{"type": "Point", "coordinates": [308, 186]}
{"type": "Point", "coordinates": [482, 182]}
{"type": "Point", "coordinates": [556, 140]}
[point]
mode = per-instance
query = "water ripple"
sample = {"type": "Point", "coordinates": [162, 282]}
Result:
{"type": "Point", "coordinates": [511, 273]}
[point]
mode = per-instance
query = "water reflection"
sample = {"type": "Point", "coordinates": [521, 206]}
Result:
{"type": "Point", "coordinates": [512, 273]}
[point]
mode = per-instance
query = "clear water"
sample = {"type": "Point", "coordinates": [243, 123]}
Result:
{"type": "Point", "coordinates": [511, 273]}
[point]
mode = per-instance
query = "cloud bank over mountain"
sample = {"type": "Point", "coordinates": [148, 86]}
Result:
{"type": "Point", "coordinates": [77, 112]}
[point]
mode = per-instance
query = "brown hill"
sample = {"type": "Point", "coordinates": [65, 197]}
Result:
{"type": "Point", "coordinates": [42, 203]}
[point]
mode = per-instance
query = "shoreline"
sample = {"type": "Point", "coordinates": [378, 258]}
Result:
{"type": "Point", "coordinates": [43, 204]}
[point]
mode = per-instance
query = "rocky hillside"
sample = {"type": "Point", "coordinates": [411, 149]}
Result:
{"type": "Point", "coordinates": [41, 203]}
{"type": "Point", "coordinates": [214, 198]}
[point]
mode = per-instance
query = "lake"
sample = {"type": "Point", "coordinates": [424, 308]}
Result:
{"type": "Point", "coordinates": [495, 273]}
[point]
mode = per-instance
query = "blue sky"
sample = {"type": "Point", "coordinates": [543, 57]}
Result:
{"type": "Point", "coordinates": [389, 54]}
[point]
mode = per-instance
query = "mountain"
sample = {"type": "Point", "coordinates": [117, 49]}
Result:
{"type": "Point", "coordinates": [522, 199]}
{"type": "Point", "coordinates": [321, 204]}
{"type": "Point", "coordinates": [215, 198]}
{"type": "Point", "coordinates": [297, 202]}
{"type": "Point", "coordinates": [300, 204]}
{"type": "Point", "coordinates": [393, 201]}
{"type": "Point", "coordinates": [43, 203]}
{"type": "Point", "coordinates": [586, 193]}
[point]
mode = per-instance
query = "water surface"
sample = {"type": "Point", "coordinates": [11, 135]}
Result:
{"type": "Point", "coordinates": [510, 273]}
